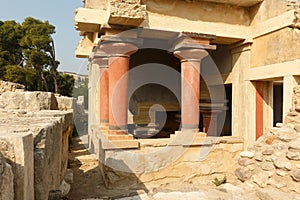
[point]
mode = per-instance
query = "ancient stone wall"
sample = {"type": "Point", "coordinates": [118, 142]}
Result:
{"type": "Point", "coordinates": [8, 86]}
{"type": "Point", "coordinates": [275, 158]}
{"type": "Point", "coordinates": [160, 164]}
{"type": "Point", "coordinates": [34, 137]}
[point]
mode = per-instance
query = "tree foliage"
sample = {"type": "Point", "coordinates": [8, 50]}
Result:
{"type": "Point", "coordinates": [27, 56]}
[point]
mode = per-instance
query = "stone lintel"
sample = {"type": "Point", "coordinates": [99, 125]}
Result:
{"type": "Point", "coordinates": [189, 45]}
{"type": "Point", "coordinates": [120, 39]}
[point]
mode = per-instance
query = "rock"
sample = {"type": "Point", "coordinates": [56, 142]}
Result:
{"type": "Point", "coordinates": [269, 140]}
{"type": "Point", "coordinates": [293, 155]}
{"type": "Point", "coordinates": [258, 156]}
{"type": "Point", "coordinates": [298, 166]}
{"type": "Point", "coordinates": [297, 108]}
{"type": "Point", "coordinates": [295, 145]}
{"type": "Point", "coordinates": [292, 114]}
{"type": "Point", "coordinates": [64, 188]}
{"type": "Point", "coordinates": [245, 161]}
{"type": "Point", "coordinates": [267, 166]}
{"type": "Point", "coordinates": [281, 172]}
{"type": "Point", "coordinates": [261, 179]}
{"type": "Point", "coordinates": [247, 154]}
{"type": "Point", "coordinates": [243, 174]}
{"type": "Point", "coordinates": [273, 194]}
{"type": "Point", "coordinates": [287, 137]}
{"type": "Point", "coordinates": [268, 152]}
{"type": "Point", "coordinates": [284, 165]}
{"type": "Point", "coordinates": [296, 175]}
{"type": "Point", "coordinates": [69, 176]}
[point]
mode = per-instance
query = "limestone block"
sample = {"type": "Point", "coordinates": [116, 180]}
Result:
{"type": "Point", "coordinates": [6, 180]}
{"type": "Point", "coordinates": [19, 151]}
{"type": "Point", "coordinates": [33, 101]}
{"type": "Point", "coordinates": [64, 103]}
{"type": "Point", "coordinates": [130, 13]}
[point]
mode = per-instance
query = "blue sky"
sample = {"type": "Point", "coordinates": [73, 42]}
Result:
{"type": "Point", "coordinates": [59, 13]}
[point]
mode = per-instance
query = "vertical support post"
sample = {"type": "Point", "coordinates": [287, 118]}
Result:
{"type": "Point", "coordinates": [190, 86]}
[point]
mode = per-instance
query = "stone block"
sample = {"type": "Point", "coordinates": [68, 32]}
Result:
{"type": "Point", "coordinates": [126, 13]}
{"type": "Point", "coordinates": [19, 153]}
{"type": "Point", "coordinates": [6, 180]}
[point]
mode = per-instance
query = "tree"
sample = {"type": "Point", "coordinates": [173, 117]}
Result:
{"type": "Point", "coordinates": [39, 49]}
{"type": "Point", "coordinates": [66, 84]}
{"type": "Point", "coordinates": [25, 76]}
{"type": "Point", "coordinates": [10, 50]}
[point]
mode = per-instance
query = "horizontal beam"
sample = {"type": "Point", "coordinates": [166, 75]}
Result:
{"type": "Point", "coordinates": [89, 20]}
{"type": "Point", "coordinates": [222, 30]}
{"type": "Point", "coordinates": [276, 23]}
{"type": "Point", "coordinates": [273, 71]}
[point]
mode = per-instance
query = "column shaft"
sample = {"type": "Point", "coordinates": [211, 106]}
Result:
{"type": "Point", "coordinates": [118, 92]}
{"type": "Point", "coordinates": [104, 96]}
{"type": "Point", "coordinates": [190, 87]}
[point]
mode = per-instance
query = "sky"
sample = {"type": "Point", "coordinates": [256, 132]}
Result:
{"type": "Point", "coordinates": [59, 13]}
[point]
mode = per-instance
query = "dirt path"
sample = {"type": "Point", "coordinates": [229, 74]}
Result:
{"type": "Point", "coordinates": [88, 182]}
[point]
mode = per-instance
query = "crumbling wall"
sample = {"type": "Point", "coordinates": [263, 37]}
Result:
{"type": "Point", "coordinates": [8, 86]}
{"type": "Point", "coordinates": [37, 133]}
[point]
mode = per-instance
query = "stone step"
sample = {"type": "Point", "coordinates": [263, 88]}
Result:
{"type": "Point", "coordinates": [119, 137]}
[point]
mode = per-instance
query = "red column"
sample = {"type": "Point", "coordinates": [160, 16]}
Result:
{"type": "Point", "coordinates": [190, 86]}
{"type": "Point", "coordinates": [259, 109]}
{"type": "Point", "coordinates": [103, 84]}
{"type": "Point", "coordinates": [118, 62]}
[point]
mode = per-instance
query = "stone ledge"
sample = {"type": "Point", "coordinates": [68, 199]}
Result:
{"type": "Point", "coordinates": [120, 144]}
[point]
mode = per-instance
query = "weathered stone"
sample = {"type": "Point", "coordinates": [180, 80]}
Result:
{"type": "Point", "coordinates": [268, 152]}
{"type": "Point", "coordinates": [6, 180]}
{"type": "Point", "coordinates": [295, 145]}
{"type": "Point", "coordinates": [126, 13]}
{"type": "Point", "coordinates": [258, 156]}
{"type": "Point", "coordinates": [293, 155]}
{"type": "Point", "coordinates": [243, 174]}
{"type": "Point", "coordinates": [284, 165]}
{"type": "Point", "coordinates": [269, 140]}
{"type": "Point", "coordinates": [281, 172]}
{"type": "Point", "coordinates": [69, 176]}
{"type": "Point", "coordinates": [273, 194]}
{"type": "Point", "coordinates": [292, 114]}
{"type": "Point", "coordinates": [247, 154]}
{"type": "Point", "coordinates": [246, 161]}
{"type": "Point", "coordinates": [287, 137]}
{"type": "Point", "coordinates": [64, 188]}
{"type": "Point", "coordinates": [261, 179]}
{"type": "Point", "coordinates": [296, 175]}
{"type": "Point", "coordinates": [267, 166]}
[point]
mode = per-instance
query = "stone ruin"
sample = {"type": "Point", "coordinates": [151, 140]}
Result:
{"type": "Point", "coordinates": [34, 143]}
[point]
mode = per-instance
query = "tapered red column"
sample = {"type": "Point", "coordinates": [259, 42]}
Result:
{"type": "Point", "coordinates": [103, 84]}
{"type": "Point", "coordinates": [190, 86]}
{"type": "Point", "coordinates": [118, 62]}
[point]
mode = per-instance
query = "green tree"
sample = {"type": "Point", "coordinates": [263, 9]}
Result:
{"type": "Point", "coordinates": [39, 49]}
{"type": "Point", "coordinates": [25, 76]}
{"type": "Point", "coordinates": [66, 84]}
{"type": "Point", "coordinates": [10, 50]}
